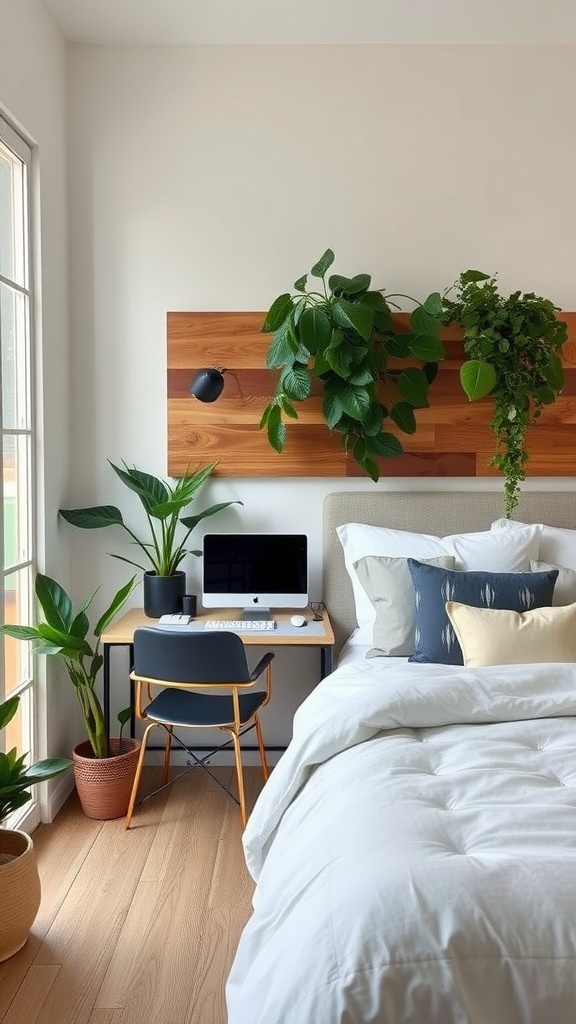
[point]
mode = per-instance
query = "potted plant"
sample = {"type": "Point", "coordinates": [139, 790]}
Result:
{"type": "Point", "coordinates": [342, 333]}
{"type": "Point", "coordinates": [107, 765]}
{"type": "Point", "coordinates": [19, 879]}
{"type": "Point", "coordinates": [514, 346]}
{"type": "Point", "coordinates": [166, 547]}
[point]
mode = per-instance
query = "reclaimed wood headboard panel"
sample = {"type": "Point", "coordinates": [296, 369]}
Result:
{"type": "Point", "coordinates": [453, 436]}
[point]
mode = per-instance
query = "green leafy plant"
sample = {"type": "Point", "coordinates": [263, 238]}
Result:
{"type": "Point", "coordinates": [64, 632]}
{"type": "Point", "coordinates": [15, 778]}
{"type": "Point", "coordinates": [341, 332]}
{"type": "Point", "coordinates": [162, 503]}
{"type": "Point", "coordinates": [514, 345]}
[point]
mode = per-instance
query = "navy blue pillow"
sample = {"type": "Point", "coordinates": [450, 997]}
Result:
{"type": "Point", "coordinates": [436, 640]}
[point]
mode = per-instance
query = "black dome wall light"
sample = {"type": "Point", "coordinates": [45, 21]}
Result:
{"type": "Point", "coordinates": [207, 384]}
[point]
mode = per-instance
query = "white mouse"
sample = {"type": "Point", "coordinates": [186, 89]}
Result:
{"type": "Point", "coordinates": [298, 620]}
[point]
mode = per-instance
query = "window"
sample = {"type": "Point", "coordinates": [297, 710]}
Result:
{"type": "Point", "coordinates": [16, 409]}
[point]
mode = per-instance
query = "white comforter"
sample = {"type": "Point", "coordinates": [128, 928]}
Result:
{"type": "Point", "coordinates": [415, 853]}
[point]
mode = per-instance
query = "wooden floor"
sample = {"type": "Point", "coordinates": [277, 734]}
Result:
{"type": "Point", "coordinates": [136, 927]}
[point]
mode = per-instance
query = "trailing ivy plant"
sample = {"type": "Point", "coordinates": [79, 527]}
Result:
{"type": "Point", "coordinates": [514, 347]}
{"type": "Point", "coordinates": [341, 331]}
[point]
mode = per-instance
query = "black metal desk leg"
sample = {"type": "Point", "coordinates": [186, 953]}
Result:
{"type": "Point", "coordinates": [106, 689]}
{"type": "Point", "coordinates": [132, 693]}
{"type": "Point", "coordinates": [326, 661]}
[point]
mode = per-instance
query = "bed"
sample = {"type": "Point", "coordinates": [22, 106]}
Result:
{"type": "Point", "coordinates": [414, 850]}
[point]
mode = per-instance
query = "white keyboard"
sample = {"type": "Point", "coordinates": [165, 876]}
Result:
{"type": "Point", "coordinates": [242, 625]}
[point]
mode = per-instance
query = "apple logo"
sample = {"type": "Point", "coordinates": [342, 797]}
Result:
{"type": "Point", "coordinates": [255, 600]}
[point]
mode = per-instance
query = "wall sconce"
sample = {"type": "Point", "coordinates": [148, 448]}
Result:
{"type": "Point", "coordinates": [207, 384]}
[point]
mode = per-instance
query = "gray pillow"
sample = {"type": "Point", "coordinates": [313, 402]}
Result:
{"type": "Point", "coordinates": [388, 585]}
{"type": "Point", "coordinates": [565, 586]}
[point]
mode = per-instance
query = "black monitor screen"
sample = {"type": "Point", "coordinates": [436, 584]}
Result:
{"type": "Point", "coordinates": [255, 563]}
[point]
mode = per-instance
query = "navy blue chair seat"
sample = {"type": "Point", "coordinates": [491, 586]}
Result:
{"type": "Point", "coordinates": [203, 682]}
{"type": "Point", "coordinates": [201, 710]}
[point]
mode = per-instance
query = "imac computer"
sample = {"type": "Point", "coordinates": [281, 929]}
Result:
{"type": "Point", "coordinates": [255, 571]}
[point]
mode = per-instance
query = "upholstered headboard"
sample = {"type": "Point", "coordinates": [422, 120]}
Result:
{"type": "Point", "coordinates": [436, 512]}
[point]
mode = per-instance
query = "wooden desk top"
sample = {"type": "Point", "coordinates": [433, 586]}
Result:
{"type": "Point", "coordinates": [121, 631]}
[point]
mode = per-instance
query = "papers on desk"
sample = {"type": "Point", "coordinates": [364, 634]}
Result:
{"type": "Point", "coordinates": [175, 620]}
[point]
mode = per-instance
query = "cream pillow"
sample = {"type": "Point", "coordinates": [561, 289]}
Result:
{"type": "Point", "coordinates": [489, 636]}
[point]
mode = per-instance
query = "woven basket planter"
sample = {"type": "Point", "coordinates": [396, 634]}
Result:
{"type": "Point", "coordinates": [19, 890]}
{"type": "Point", "coordinates": [104, 784]}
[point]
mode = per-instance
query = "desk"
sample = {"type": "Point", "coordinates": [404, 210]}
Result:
{"type": "Point", "coordinates": [120, 633]}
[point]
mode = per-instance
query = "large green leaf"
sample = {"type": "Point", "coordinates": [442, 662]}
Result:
{"type": "Point", "coordinates": [20, 632]}
{"type": "Point", "coordinates": [150, 489]}
{"type": "Point", "coordinates": [356, 402]}
{"type": "Point", "coordinates": [114, 607]}
{"type": "Point", "coordinates": [62, 638]}
{"type": "Point", "coordinates": [295, 381]}
{"type": "Point", "coordinates": [191, 521]}
{"type": "Point", "coordinates": [323, 264]}
{"type": "Point", "coordinates": [472, 277]}
{"type": "Point", "coordinates": [280, 309]}
{"type": "Point", "coordinates": [7, 711]}
{"type": "Point", "coordinates": [477, 378]}
{"type": "Point", "coordinates": [94, 518]}
{"type": "Point", "coordinates": [349, 285]}
{"type": "Point", "coordinates": [354, 316]}
{"type": "Point", "coordinates": [553, 373]}
{"type": "Point", "coordinates": [422, 321]}
{"type": "Point", "coordinates": [276, 430]}
{"type": "Point", "coordinates": [54, 602]}
{"type": "Point", "coordinates": [413, 386]}
{"type": "Point", "coordinates": [282, 347]}
{"type": "Point", "coordinates": [433, 305]}
{"type": "Point", "coordinates": [332, 409]}
{"type": "Point", "coordinates": [386, 445]}
{"type": "Point", "coordinates": [403, 415]}
{"type": "Point", "coordinates": [46, 769]}
{"type": "Point", "coordinates": [429, 349]}
{"type": "Point", "coordinates": [339, 359]}
{"type": "Point", "coordinates": [314, 329]}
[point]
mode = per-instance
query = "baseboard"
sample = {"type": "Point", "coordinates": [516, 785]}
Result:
{"type": "Point", "coordinates": [58, 792]}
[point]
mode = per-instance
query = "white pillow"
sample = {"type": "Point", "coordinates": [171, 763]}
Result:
{"type": "Point", "coordinates": [557, 544]}
{"type": "Point", "coordinates": [492, 551]}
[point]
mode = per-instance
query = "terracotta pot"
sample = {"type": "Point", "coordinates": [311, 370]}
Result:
{"type": "Point", "coordinates": [104, 784]}
{"type": "Point", "coordinates": [19, 890]}
{"type": "Point", "coordinates": [163, 594]}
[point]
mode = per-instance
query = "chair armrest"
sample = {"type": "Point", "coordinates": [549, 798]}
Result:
{"type": "Point", "coordinates": [262, 664]}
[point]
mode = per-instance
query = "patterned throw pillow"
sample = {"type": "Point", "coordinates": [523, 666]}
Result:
{"type": "Point", "coordinates": [436, 639]}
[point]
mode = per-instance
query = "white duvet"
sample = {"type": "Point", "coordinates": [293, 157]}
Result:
{"type": "Point", "coordinates": [415, 853]}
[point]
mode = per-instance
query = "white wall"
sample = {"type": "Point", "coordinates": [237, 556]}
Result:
{"type": "Point", "coordinates": [210, 178]}
{"type": "Point", "coordinates": [33, 96]}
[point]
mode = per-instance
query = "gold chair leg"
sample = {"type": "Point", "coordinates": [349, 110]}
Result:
{"type": "Point", "coordinates": [240, 777]}
{"type": "Point", "coordinates": [134, 792]}
{"type": "Point", "coordinates": [167, 748]}
{"type": "Point", "coordinates": [262, 748]}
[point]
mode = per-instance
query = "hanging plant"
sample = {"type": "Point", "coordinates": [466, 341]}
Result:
{"type": "Point", "coordinates": [341, 332]}
{"type": "Point", "coordinates": [514, 346]}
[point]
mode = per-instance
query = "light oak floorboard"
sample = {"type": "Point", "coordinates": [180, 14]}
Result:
{"type": "Point", "coordinates": [137, 926]}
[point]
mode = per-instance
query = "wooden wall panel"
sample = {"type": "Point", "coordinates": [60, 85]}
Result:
{"type": "Point", "coordinates": [453, 436]}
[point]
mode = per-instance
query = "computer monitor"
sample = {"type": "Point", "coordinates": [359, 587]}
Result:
{"type": "Point", "coordinates": [255, 571]}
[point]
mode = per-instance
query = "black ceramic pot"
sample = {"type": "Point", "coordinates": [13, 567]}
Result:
{"type": "Point", "coordinates": [163, 594]}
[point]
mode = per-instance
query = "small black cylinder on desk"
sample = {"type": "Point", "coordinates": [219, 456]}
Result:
{"type": "Point", "coordinates": [189, 604]}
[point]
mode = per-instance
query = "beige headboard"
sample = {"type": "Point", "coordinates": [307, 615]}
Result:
{"type": "Point", "coordinates": [436, 512]}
